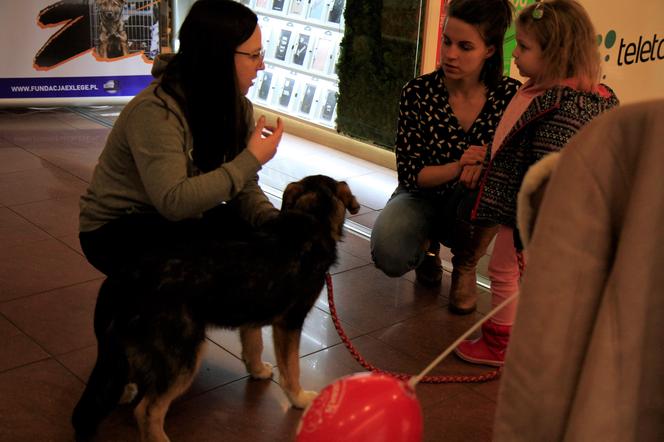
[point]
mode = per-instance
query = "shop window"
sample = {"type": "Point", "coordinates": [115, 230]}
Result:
{"type": "Point", "coordinates": [339, 64]}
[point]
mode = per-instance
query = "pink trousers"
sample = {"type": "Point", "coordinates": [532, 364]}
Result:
{"type": "Point", "coordinates": [504, 274]}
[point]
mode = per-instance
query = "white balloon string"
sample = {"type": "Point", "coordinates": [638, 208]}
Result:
{"type": "Point", "coordinates": [415, 379]}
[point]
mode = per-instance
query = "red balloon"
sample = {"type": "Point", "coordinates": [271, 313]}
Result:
{"type": "Point", "coordinates": [364, 407]}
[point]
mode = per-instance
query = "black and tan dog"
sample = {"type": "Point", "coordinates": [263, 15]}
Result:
{"type": "Point", "coordinates": [151, 332]}
{"type": "Point", "coordinates": [112, 35]}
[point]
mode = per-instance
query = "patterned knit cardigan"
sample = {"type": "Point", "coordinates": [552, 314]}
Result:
{"type": "Point", "coordinates": [550, 120]}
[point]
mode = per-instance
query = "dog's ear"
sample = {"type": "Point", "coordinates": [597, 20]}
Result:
{"type": "Point", "coordinates": [291, 194]}
{"type": "Point", "coordinates": [347, 197]}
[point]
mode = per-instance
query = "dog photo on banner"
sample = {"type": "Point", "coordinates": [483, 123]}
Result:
{"type": "Point", "coordinates": [122, 27]}
{"type": "Point", "coordinates": [112, 28]}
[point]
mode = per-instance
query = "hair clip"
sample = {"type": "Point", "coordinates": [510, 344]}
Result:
{"type": "Point", "coordinates": [538, 12]}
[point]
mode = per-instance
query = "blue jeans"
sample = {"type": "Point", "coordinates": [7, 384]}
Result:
{"type": "Point", "coordinates": [409, 221]}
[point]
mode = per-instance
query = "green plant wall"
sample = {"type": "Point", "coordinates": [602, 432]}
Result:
{"type": "Point", "coordinates": [379, 54]}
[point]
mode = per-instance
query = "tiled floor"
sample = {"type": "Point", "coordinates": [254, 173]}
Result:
{"type": "Point", "coordinates": [48, 290]}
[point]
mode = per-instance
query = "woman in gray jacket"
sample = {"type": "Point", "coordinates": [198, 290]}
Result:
{"type": "Point", "coordinates": [180, 165]}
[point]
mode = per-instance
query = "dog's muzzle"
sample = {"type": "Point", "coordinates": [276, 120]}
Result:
{"type": "Point", "coordinates": [110, 15]}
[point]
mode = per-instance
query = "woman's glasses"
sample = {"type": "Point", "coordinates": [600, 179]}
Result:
{"type": "Point", "coordinates": [256, 57]}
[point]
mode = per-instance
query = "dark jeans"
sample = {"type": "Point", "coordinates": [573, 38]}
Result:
{"type": "Point", "coordinates": [410, 220]}
{"type": "Point", "coordinates": [127, 243]}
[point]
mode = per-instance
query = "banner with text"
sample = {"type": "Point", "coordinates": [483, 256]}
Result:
{"type": "Point", "coordinates": [97, 51]}
{"type": "Point", "coordinates": [631, 42]}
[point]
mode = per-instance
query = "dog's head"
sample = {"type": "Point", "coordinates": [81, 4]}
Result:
{"type": "Point", "coordinates": [324, 198]}
{"type": "Point", "coordinates": [110, 11]}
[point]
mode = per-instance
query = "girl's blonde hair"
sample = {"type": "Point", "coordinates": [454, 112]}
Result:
{"type": "Point", "coordinates": [568, 40]}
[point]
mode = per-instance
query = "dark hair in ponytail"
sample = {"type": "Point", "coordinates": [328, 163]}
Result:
{"type": "Point", "coordinates": [492, 18]}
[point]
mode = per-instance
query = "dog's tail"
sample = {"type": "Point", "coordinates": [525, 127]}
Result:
{"type": "Point", "coordinates": [103, 391]}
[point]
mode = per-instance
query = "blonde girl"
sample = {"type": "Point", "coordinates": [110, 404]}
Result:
{"type": "Point", "coordinates": [557, 52]}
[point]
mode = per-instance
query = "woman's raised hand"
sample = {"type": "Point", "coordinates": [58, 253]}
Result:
{"type": "Point", "coordinates": [265, 139]}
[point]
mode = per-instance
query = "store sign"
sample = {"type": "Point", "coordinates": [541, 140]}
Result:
{"type": "Point", "coordinates": [630, 38]}
{"type": "Point", "coordinates": [95, 50]}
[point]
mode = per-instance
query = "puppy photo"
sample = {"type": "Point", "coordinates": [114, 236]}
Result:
{"type": "Point", "coordinates": [112, 34]}
{"type": "Point", "coordinates": [151, 330]}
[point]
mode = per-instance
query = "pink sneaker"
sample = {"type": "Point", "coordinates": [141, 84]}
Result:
{"type": "Point", "coordinates": [490, 348]}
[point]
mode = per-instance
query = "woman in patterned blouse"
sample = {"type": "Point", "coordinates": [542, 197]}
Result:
{"type": "Point", "coordinates": [446, 120]}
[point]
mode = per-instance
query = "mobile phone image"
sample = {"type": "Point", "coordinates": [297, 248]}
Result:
{"type": "Point", "coordinates": [282, 45]}
{"type": "Point", "coordinates": [301, 49]}
{"type": "Point", "coordinates": [328, 107]}
{"type": "Point", "coordinates": [286, 92]}
{"type": "Point", "coordinates": [305, 106]}
{"type": "Point", "coordinates": [264, 90]}
{"type": "Point", "coordinates": [321, 54]}
{"type": "Point", "coordinates": [336, 11]}
{"type": "Point", "coordinates": [297, 7]}
{"type": "Point", "coordinates": [278, 5]}
{"type": "Point", "coordinates": [316, 9]}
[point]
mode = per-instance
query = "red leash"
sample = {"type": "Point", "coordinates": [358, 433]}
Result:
{"type": "Point", "coordinates": [443, 379]}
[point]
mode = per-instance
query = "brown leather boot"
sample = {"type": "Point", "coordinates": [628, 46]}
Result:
{"type": "Point", "coordinates": [470, 244]}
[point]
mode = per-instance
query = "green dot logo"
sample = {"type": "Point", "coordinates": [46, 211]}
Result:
{"type": "Point", "coordinates": [609, 40]}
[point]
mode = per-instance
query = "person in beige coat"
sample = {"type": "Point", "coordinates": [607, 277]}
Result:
{"type": "Point", "coordinates": [586, 359]}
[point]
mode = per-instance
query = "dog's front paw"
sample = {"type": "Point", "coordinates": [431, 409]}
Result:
{"type": "Point", "coordinates": [302, 398]}
{"type": "Point", "coordinates": [263, 370]}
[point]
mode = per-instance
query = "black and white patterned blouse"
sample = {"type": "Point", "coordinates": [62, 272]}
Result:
{"type": "Point", "coordinates": [429, 134]}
